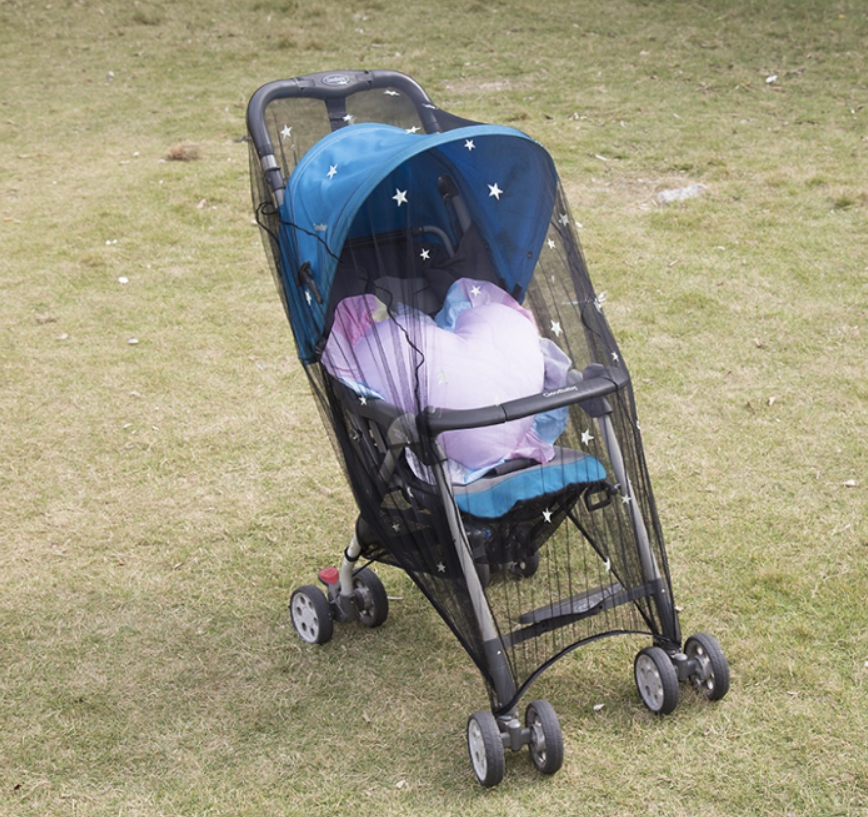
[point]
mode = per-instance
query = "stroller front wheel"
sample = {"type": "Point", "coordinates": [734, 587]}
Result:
{"type": "Point", "coordinates": [311, 615]}
{"type": "Point", "coordinates": [486, 748]}
{"type": "Point", "coordinates": [656, 680]}
{"type": "Point", "coordinates": [546, 739]}
{"type": "Point", "coordinates": [712, 675]}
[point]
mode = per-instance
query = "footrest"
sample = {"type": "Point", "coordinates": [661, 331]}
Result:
{"type": "Point", "coordinates": [575, 608]}
{"type": "Point", "coordinates": [576, 605]}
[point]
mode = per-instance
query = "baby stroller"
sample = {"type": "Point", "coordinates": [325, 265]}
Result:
{"type": "Point", "coordinates": [474, 393]}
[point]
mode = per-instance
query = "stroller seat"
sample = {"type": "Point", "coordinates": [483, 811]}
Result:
{"type": "Point", "coordinates": [494, 495]}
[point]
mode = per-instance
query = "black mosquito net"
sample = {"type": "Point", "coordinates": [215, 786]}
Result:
{"type": "Point", "coordinates": [421, 306]}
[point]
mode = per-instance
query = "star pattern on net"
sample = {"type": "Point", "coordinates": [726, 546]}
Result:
{"type": "Point", "coordinates": [495, 191]}
{"type": "Point", "coordinates": [556, 328]}
{"type": "Point", "coordinates": [286, 132]}
{"type": "Point", "coordinates": [333, 169]}
{"type": "Point", "coordinates": [400, 196]}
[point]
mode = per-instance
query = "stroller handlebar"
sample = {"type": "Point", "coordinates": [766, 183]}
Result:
{"type": "Point", "coordinates": [578, 390]}
{"type": "Point", "coordinates": [332, 86]}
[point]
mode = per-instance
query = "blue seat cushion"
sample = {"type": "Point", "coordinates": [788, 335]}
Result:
{"type": "Point", "coordinates": [491, 497]}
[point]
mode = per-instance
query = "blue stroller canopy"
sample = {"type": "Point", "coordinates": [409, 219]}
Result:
{"type": "Point", "coordinates": [369, 179]}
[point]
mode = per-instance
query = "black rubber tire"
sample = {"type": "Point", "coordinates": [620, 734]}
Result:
{"type": "Point", "coordinates": [485, 747]}
{"type": "Point", "coordinates": [656, 680]}
{"type": "Point", "coordinates": [371, 599]}
{"type": "Point", "coordinates": [713, 680]}
{"type": "Point", "coordinates": [546, 738]}
{"type": "Point", "coordinates": [311, 615]}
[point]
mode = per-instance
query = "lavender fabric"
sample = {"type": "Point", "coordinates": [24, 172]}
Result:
{"type": "Point", "coordinates": [481, 349]}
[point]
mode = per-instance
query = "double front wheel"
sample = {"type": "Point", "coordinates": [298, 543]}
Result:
{"type": "Point", "coordinates": [486, 740]}
{"type": "Point", "coordinates": [703, 664]}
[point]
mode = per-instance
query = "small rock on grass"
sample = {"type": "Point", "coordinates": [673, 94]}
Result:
{"type": "Point", "coordinates": [681, 194]}
{"type": "Point", "coordinates": [183, 152]}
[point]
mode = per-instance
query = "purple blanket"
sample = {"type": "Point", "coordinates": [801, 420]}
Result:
{"type": "Point", "coordinates": [482, 348]}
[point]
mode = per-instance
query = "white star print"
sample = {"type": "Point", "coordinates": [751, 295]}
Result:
{"type": "Point", "coordinates": [556, 328]}
{"type": "Point", "coordinates": [400, 196]}
{"type": "Point", "coordinates": [441, 568]}
{"type": "Point", "coordinates": [349, 119]}
{"type": "Point", "coordinates": [309, 298]}
{"type": "Point", "coordinates": [475, 290]}
{"type": "Point", "coordinates": [363, 400]}
{"type": "Point", "coordinates": [414, 129]}
{"type": "Point", "coordinates": [547, 515]}
{"type": "Point", "coordinates": [615, 357]}
{"type": "Point", "coordinates": [396, 527]}
{"type": "Point", "coordinates": [425, 255]}
{"type": "Point", "coordinates": [390, 92]}
{"type": "Point", "coordinates": [469, 144]}
{"type": "Point", "coordinates": [626, 499]}
{"type": "Point", "coordinates": [285, 133]}
{"type": "Point", "coordinates": [495, 191]}
{"type": "Point", "coordinates": [564, 219]}
{"type": "Point", "coordinates": [587, 437]}
{"type": "Point", "coordinates": [551, 244]}
{"type": "Point", "coordinates": [333, 169]}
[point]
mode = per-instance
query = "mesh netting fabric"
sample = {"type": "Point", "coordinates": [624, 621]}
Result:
{"type": "Point", "coordinates": [555, 508]}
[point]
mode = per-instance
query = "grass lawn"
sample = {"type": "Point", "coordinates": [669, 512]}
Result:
{"type": "Point", "coordinates": [165, 481]}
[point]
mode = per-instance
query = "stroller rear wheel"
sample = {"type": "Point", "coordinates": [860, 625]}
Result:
{"type": "Point", "coordinates": [371, 599]}
{"type": "Point", "coordinates": [311, 615]}
{"type": "Point", "coordinates": [656, 680]}
{"type": "Point", "coordinates": [486, 748]}
{"type": "Point", "coordinates": [712, 675]}
{"type": "Point", "coordinates": [546, 739]}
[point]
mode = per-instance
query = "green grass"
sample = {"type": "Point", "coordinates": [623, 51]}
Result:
{"type": "Point", "coordinates": [160, 500]}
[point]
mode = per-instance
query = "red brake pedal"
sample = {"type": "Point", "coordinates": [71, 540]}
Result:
{"type": "Point", "coordinates": [329, 576]}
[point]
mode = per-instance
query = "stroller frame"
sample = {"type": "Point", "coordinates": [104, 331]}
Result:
{"type": "Point", "coordinates": [354, 594]}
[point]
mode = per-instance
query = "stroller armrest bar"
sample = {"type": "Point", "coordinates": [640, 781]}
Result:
{"type": "Point", "coordinates": [438, 420]}
{"type": "Point", "coordinates": [399, 425]}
